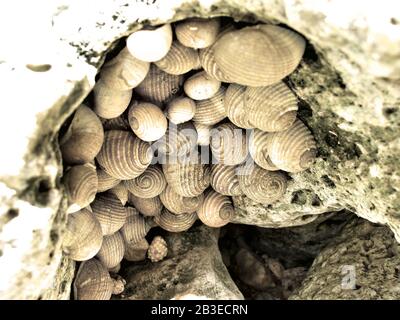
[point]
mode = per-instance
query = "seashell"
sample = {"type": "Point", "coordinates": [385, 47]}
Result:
{"type": "Point", "coordinates": [159, 87]}
{"type": "Point", "coordinates": [158, 249]}
{"type": "Point", "coordinates": [197, 65]}
{"type": "Point", "coordinates": [118, 123]}
{"type": "Point", "coordinates": [178, 204]}
{"type": "Point", "coordinates": [109, 212]}
{"type": "Point", "coordinates": [179, 59]}
{"type": "Point", "coordinates": [115, 269]}
{"type": "Point", "coordinates": [121, 192]}
{"type": "Point", "coordinates": [147, 121]}
{"type": "Point", "coordinates": [105, 181]}
{"type": "Point", "coordinates": [134, 229]}
{"type": "Point", "coordinates": [146, 206]}
{"type": "Point", "coordinates": [108, 102]}
{"type": "Point", "coordinates": [272, 108]}
{"type": "Point", "coordinates": [82, 236]}
{"type": "Point", "coordinates": [261, 185]}
{"type": "Point", "coordinates": [216, 211]}
{"type": "Point", "coordinates": [124, 72]}
{"type": "Point", "coordinates": [180, 110]}
{"type": "Point", "coordinates": [124, 156]}
{"type": "Point", "coordinates": [294, 149]}
{"type": "Point", "coordinates": [201, 86]}
{"type": "Point", "coordinates": [268, 54]}
{"type": "Point", "coordinates": [84, 137]}
{"type": "Point", "coordinates": [130, 211]}
{"type": "Point", "coordinates": [235, 106]}
{"type": "Point", "coordinates": [229, 144]}
{"type": "Point", "coordinates": [80, 186]}
{"type": "Point", "coordinates": [211, 111]}
{"type": "Point", "coordinates": [150, 45]}
{"type": "Point", "coordinates": [149, 184]}
{"type": "Point", "coordinates": [175, 222]}
{"type": "Point", "coordinates": [258, 148]}
{"type": "Point", "coordinates": [112, 250]}
{"type": "Point", "coordinates": [118, 284]}
{"type": "Point", "coordinates": [137, 251]}
{"type": "Point", "coordinates": [93, 282]}
{"type": "Point", "coordinates": [203, 133]}
{"type": "Point", "coordinates": [197, 33]}
{"type": "Point", "coordinates": [224, 180]}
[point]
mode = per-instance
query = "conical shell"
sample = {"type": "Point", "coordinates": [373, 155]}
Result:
{"type": "Point", "coordinates": [211, 111]}
{"type": "Point", "coordinates": [105, 181]}
{"type": "Point", "coordinates": [134, 229]}
{"type": "Point", "coordinates": [118, 123]}
{"type": "Point", "coordinates": [124, 156]}
{"type": "Point", "coordinates": [178, 204]}
{"type": "Point", "coordinates": [137, 251]}
{"type": "Point", "coordinates": [175, 222]}
{"type": "Point", "coordinates": [179, 59]}
{"type": "Point", "coordinates": [80, 186]}
{"type": "Point", "coordinates": [150, 45]}
{"type": "Point", "coordinates": [82, 236]}
{"type": "Point", "coordinates": [92, 282]}
{"type": "Point", "coordinates": [235, 106]}
{"type": "Point", "coordinates": [109, 212]}
{"type": "Point", "coordinates": [261, 185]}
{"type": "Point", "coordinates": [147, 121]}
{"type": "Point", "coordinates": [124, 72]}
{"type": "Point", "coordinates": [197, 33]}
{"type": "Point", "coordinates": [216, 211]}
{"type": "Point", "coordinates": [229, 144]}
{"type": "Point", "coordinates": [224, 180]}
{"type": "Point", "coordinates": [121, 192]}
{"type": "Point", "coordinates": [294, 149]}
{"type": "Point", "coordinates": [146, 206]}
{"type": "Point", "coordinates": [149, 184]}
{"type": "Point", "coordinates": [158, 249]}
{"type": "Point", "coordinates": [267, 54]}
{"type": "Point", "coordinates": [112, 250]}
{"type": "Point", "coordinates": [258, 148]}
{"type": "Point", "coordinates": [203, 133]}
{"type": "Point", "coordinates": [201, 86]}
{"type": "Point", "coordinates": [180, 110]}
{"type": "Point", "coordinates": [84, 137]}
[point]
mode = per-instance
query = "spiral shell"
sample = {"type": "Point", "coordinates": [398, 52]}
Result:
{"type": "Point", "coordinates": [258, 148]}
{"type": "Point", "coordinates": [201, 86]}
{"type": "Point", "coordinates": [235, 106]}
{"type": "Point", "coordinates": [118, 123]}
{"type": "Point", "coordinates": [121, 192]}
{"type": "Point", "coordinates": [84, 137]}
{"type": "Point", "coordinates": [178, 204]}
{"type": "Point", "coordinates": [211, 111]}
{"type": "Point", "coordinates": [134, 229]}
{"type": "Point", "coordinates": [112, 250]}
{"type": "Point", "coordinates": [224, 180]}
{"type": "Point", "coordinates": [175, 222]}
{"type": "Point", "coordinates": [147, 121]}
{"type": "Point", "coordinates": [146, 206]}
{"type": "Point", "coordinates": [294, 149]}
{"type": "Point", "coordinates": [150, 45]}
{"type": "Point", "coordinates": [105, 181]}
{"type": "Point", "coordinates": [203, 133]}
{"type": "Point", "coordinates": [180, 110]}
{"type": "Point", "coordinates": [149, 184]}
{"type": "Point", "coordinates": [268, 54]}
{"type": "Point", "coordinates": [197, 33]}
{"type": "Point", "coordinates": [83, 236]}
{"type": "Point", "coordinates": [158, 249]}
{"type": "Point", "coordinates": [216, 210]}
{"type": "Point", "coordinates": [124, 156]}
{"type": "Point", "coordinates": [136, 251]}
{"type": "Point", "coordinates": [179, 59]}
{"type": "Point", "coordinates": [109, 212]}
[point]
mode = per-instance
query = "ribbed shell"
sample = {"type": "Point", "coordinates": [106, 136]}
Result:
{"type": "Point", "coordinates": [109, 212]}
{"type": "Point", "coordinates": [268, 54]}
{"type": "Point", "coordinates": [203, 133]}
{"type": "Point", "coordinates": [82, 236]}
{"type": "Point", "coordinates": [175, 222]}
{"type": "Point", "coordinates": [201, 86]}
{"type": "Point", "coordinates": [147, 121]}
{"type": "Point", "coordinates": [146, 206]}
{"type": "Point", "coordinates": [149, 184]}
{"type": "Point", "coordinates": [180, 110]}
{"type": "Point", "coordinates": [294, 149]}
{"type": "Point", "coordinates": [258, 148]}
{"type": "Point", "coordinates": [124, 156]}
{"type": "Point", "coordinates": [137, 251]}
{"type": "Point", "coordinates": [178, 204]}
{"type": "Point", "coordinates": [84, 137]}
{"type": "Point", "coordinates": [105, 181]}
{"type": "Point", "coordinates": [121, 192]}
{"type": "Point", "coordinates": [179, 59]}
{"type": "Point", "coordinates": [134, 229]}
{"type": "Point", "coordinates": [158, 249]}
{"type": "Point", "coordinates": [197, 33]}
{"type": "Point", "coordinates": [235, 106]}
{"type": "Point", "coordinates": [112, 250]}
{"type": "Point", "coordinates": [216, 210]}
{"type": "Point", "coordinates": [118, 123]}
{"type": "Point", "coordinates": [211, 111]}
{"type": "Point", "coordinates": [224, 180]}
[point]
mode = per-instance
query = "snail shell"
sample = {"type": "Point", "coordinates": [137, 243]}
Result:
{"type": "Point", "coordinates": [294, 149]}
{"type": "Point", "coordinates": [178, 204]}
{"type": "Point", "coordinates": [216, 210]}
{"type": "Point", "coordinates": [134, 229]}
{"type": "Point", "coordinates": [158, 249]}
{"type": "Point", "coordinates": [109, 212]}
{"type": "Point", "coordinates": [116, 269]}
{"type": "Point", "coordinates": [112, 250]}
{"type": "Point", "coordinates": [179, 59]}
{"type": "Point", "coordinates": [180, 110]}
{"type": "Point", "coordinates": [267, 54]}
{"type": "Point", "coordinates": [150, 45]}
{"type": "Point", "coordinates": [175, 222]}
{"type": "Point", "coordinates": [124, 156]}
{"type": "Point", "coordinates": [203, 133]}
{"type": "Point", "coordinates": [118, 123]}
{"type": "Point", "coordinates": [136, 251]}
{"type": "Point", "coordinates": [271, 108]}
{"type": "Point", "coordinates": [121, 192]}
{"type": "Point", "coordinates": [258, 148]}
{"type": "Point", "coordinates": [149, 184]}
{"type": "Point", "coordinates": [211, 111]}
{"type": "Point", "coordinates": [147, 121]}
{"type": "Point", "coordinates": [235, 106]}
{"type": "Point", "coordinates": [201, 86]}
{"type": "Point", "coordinates": [84, 137]}
{"type": "Point", "coordinates": [146, 206]}
{"type": "Point", "coordinates": [83, 236]}
{"type": "Point", "coordinates": [197, 33]}
{"type": "Point", "coordinates": [105, 181]}
{"type": "Point", "coordinates": [224, 180]}
{"type": "Point", "coordinates": [81, 187]}
{"type": "Point", "coordinates": [261, 185]}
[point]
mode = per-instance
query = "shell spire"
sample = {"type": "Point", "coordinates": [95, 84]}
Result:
{"type": "Point", "coordinates": [175, 222]}
{"type": "Point", "coordinates": [149, 184]}
{"type": "Point", "coordinates": [178, 204]}
{"type": "Point", "coordinates": [216, 210]}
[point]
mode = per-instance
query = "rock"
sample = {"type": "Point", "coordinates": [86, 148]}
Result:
{"type": "Point", "coordinates": [137, 251]}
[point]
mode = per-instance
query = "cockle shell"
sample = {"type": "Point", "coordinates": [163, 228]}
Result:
{"type": "Point", "coordinates": [180, 110]}
{"type": "Point", "coordinates": [201, 86]}
{"type": "Point", "coordinates": [178, 204]}
{"type": "Point", "coordinates": [121, 192]}
{"type": "Point", "coordinates": [112, 250]}
{"type": "Point", "coordinates": [211, 111]}
{"type": "Point", "coordinates": [150, 45]}
{"type": "Point", "coordinates": [134, 229]}
{"type": "Point", "coordinates": [116, 269]}
{"type": "Point", "coordinates": [84, 137]}
{"type": "Point", "coordinates": [179, 59]}
{"type": "Point", "coordinates": [149, 184]}
{"type": "Point", "coordinates": [136, 251]}
{"type": "Point", "coordinates": [203, 133]}
{"type": "Point", "coordinates": [146, 206]}
{"type": "Point", "coordinates": [197, 33]}
{"type": "Point", "coordinates": [258, 148]}
{"type": "Point", "coordinates": [109, 212]}
{"type": "Point", "coordinates": [268, 54]}
{"type": "Point", "coordinates": [123, 155]}
{"type": "Point", "coordinates": [118, 123]}
{"type": "Point", "coordinates": [82, 236]}
{"type": "Point", "coordinates": [224, 180]}
{"type": "Point", "coordinates": [272, 108]}
{"type": "Point", "coordinates": [147, 121]}
{"type": "Point", "coordinates": [294, 149]}
{"type": "Point", "coordinates": [175, 222]}
{"type": "Point", "coordinates": [105, 181]}
{"type": "Point", "coordinates": [158, 249]}
{"type": "Point", "coordinates": [216, 210]}
{"type": "Point", "coordinates": [235, 106]}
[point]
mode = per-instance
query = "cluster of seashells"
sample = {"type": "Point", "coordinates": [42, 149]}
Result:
{"type": "Point", "coordinates": [181, 121]}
